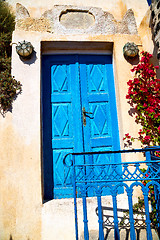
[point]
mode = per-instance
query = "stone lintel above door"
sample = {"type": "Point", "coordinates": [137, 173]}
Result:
{"type": "Point", "coordinates": [67, 19]}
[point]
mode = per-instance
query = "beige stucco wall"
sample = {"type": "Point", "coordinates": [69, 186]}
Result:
{"type": "Point", "coordinates": [22, 214]}
{"type": "Point", "coordinates": [20, 180]}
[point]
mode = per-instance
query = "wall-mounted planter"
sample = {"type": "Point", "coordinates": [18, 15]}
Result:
{"type": "Point", "coordinates": [24, 49]}
{"type": "Point", "coordinates": [130, 50]}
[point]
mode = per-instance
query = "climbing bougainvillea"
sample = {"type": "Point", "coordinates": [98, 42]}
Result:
{"type": "Point", "coordinates": [144, 95]}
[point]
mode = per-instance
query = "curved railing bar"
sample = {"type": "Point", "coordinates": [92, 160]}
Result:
{"type": "Point", "coordinates": [149, 149]}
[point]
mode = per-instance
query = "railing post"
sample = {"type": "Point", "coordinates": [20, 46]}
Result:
{"type": "Point", "coordinates": [75, 198]}
{"type": "Point", "coordinates": [116, 230]}
{"type": "Point", "coordinates": [158, 208]}
{"type": "Point", "coordinates": [131, 216]}
{"type": "Point", "coordinates": [148, 156]}
{"type": "Point", "coordinates": [85, 219]}
{"type": "Point", "coordinates": [100, 215]}
{"type": "Point", "coordinates": [146, 204]}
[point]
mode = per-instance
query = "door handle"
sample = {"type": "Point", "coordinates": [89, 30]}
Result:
{"type": "Point", "coordinates": [85, 114]}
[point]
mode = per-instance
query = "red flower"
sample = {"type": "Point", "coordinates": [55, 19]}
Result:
{"type": "Point", "coordinates": [127, 135]}
{"type": "Point", "coordinates": [144, 105]}
{"type": "Point", "coordinates": [129, 82]}
{"type": "Point", "coordinates": [156, 67]}
{"type": "Point", "coordinates": [150, 110]}
{"type": "Point", "coordinates": [147, 138]}
{"type": "Point", "coordinates": [140, 132]}
{"type": "Point", "coordinates": [127, 96]}
{"type": "Point", "coordinates": [136, 80]}
{"type": "Point", "coordinates": [133, 69]}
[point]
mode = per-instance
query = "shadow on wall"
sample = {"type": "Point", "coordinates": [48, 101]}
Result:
{"type": "Point", "coordinates": [132, 61]}
{"type": "Point", "coordinates": [11, 238]}
{"type": "Point", "coordinates": [30, 60]}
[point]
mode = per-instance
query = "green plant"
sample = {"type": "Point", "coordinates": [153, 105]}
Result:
{"type": "Point", "coordinates": [7, 25]}
{"type": "Point", "coordinates": [9, 87]}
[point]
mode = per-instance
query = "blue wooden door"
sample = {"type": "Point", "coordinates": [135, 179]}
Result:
{"type": "Point", "coordinates": [78, 84]}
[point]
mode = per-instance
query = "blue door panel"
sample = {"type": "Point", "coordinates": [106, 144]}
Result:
{"type": "Point", "coordinates": [64, 111]}
{"type": "Point", "coordinates": [71, 82]}
{"type": "Point", "coordinates": [98, 98]}
{"type": "Point", "coordinates": [95, 98]}
{"type": "Point", "coordinates": [65, 82]}
{"type": "Point", "coordinates": [62, 175]}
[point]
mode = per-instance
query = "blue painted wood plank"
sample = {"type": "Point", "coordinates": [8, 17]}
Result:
{"type": "Point", "coordinates": [101, 142]}
{"type": "Point", "coordinates": [101, 97]}
{"type": "Point", "coordinates": [57, 97]}
{"type": "Point", "coordinates": [62, 143]}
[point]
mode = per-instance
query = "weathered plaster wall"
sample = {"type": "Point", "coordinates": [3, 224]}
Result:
{"type": "Point", "coordinates": [116, 7]}
{"type": "Point", "coordinates": [139, 7]}
{"type": "Point", "coordinates": [22, 214]}
{"type": "Point", "coordinates": [69, 20]}
{"type": "Point", "coordinates": [38, 7]}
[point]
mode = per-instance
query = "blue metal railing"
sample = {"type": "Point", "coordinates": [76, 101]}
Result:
{"type": "Point", "coordinates": [111, 179]}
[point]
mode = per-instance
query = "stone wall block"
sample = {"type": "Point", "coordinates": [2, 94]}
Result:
{"type": "Point", "coordinates": [130, 21]}
{"type": "Point", "coordinates": [21, 12]}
